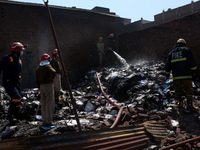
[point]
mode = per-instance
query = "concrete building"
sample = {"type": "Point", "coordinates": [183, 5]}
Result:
{"type": "Point", "coordinates": [163, 17]}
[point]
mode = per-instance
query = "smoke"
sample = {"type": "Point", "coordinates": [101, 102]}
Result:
{"type": "Point", "coordinates": [138, 62]}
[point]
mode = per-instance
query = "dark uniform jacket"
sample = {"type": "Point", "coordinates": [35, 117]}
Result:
{"type": "Point", "coordinates": [182, 63]}
{"type": "Point", "coordinates": [45, 74]}
{"type": "Point", "coordinates": [11, 67]}
{"type": "Point", "coordinates": [56, 65]}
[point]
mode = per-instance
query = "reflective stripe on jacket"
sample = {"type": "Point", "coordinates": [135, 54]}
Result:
{"type": "Point", "coordinates": [181, 62]}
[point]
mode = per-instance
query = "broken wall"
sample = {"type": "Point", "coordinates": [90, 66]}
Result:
{"type": "Point", "coordinates": [156, 42]}
{"type": "Point", "coordinates": [77, 31]}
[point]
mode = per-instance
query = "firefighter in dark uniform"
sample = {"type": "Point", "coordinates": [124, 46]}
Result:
{"type": "Point", "coordinates": [111, 46]}
{"type": "Point", "coordinates": [183, 66]}
{"type": "Point", "coordinates": [11, 66]}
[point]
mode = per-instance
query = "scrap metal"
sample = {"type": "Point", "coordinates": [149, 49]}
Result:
{"type": "Point", "coordinates": [102, 139]}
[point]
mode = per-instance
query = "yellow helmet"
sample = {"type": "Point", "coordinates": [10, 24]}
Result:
{"type": "Point", "coordinates": [181, 41]}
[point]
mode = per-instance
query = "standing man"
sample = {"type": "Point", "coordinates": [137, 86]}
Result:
{"type": "Point", "coordinates": [57, 81]}
{"type": "Point", "coordinates": [45, 75]}
{"type": "Point", "coordinates": [11, 66]}
{"type": "Point", "coordinates": [100, 49]}
{"type": "Point", "coordinates": [111, 46]}
{"type": "Point", "coordinates": [111, 42]}
{"type": "Point", "coordinates": [182, 63]}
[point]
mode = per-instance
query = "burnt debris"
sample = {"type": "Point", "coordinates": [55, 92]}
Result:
{"type": "Point", "coordinates": [142, 92]}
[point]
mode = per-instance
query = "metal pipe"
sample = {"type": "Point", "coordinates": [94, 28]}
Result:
{"type": "Point", "coordinates": [181, 143]}
{"type": "Point", "coordinates": [63, 66]}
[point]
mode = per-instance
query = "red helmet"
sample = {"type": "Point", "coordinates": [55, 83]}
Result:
{"type": "Point", "coordinates": [111, 35]}
{"type": "Point", "coordinates": [55, 52]}
{"type": "Point", "coordinates": [17, 47]}
{"type": "Point", "coordinates": [100, 38]}
{"type": "Point", "coordinates": [45, 56]}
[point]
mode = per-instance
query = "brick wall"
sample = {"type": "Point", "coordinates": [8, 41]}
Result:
{"type": "Point", "coordinates": [155, 43]}
{"type": "Point", "coordinates": [77, 31]}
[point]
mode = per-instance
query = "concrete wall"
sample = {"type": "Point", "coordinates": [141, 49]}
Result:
{"type": "Point", "coordinates": [156, 42]}
{"type": "Point", "coordinates": [77, 31]}
{"type": "Point", "coordinates": [172, 14]}
{"type": "Point", "coordinates": [165, 16]}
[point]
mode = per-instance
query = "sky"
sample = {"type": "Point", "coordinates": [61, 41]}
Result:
{"type": "Point", "coordinates": [131, 9]}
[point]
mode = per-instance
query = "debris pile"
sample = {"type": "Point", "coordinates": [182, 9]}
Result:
{"type": "Point", "coordinates": [141, 91]}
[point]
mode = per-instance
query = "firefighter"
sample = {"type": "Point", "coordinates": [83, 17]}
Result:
{"type": "Point", "coordinates": [57, 81]}
{"type": "Point", "coordinates": [183, 66]}
{"type": "Point", "coordinates": [45, 75]}
{"type": "Point", "coordinates": [101, 50]}
{"type": "Point", "coordinates": [110, 46]}
{"type": "Point", "coordinates": [11, 66]}
{"type": "Point", "coordinates": [111, 42]}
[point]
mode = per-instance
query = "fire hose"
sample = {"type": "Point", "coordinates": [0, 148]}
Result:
{"type": "Point", "coordinates": [120, 108]}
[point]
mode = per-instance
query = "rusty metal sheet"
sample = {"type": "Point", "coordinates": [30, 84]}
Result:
{"type": "Point", "coordinates": [76, 140]}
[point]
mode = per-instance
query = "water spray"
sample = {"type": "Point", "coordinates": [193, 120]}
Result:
{"type": "Point", "coordinates": [121, 59]}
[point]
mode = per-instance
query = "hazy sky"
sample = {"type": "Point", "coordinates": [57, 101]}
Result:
{"type": "Point", "coordinates": [132, 9]}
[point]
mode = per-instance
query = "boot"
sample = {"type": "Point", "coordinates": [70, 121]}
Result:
{"type": "Point", "coordinates": [16, 113]}
{"type": "Point", "coordinates": [180, 101]}
{"type": "Point", "coordinates": [10, 113]}
{"type": "Point", "coordinates": [190, 104]}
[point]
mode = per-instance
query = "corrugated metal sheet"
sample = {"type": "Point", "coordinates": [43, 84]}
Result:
{"type": "Point", "coordinates": [123, 138]}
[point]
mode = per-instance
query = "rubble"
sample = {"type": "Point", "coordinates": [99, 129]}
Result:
{"type": "Point", "coordinates": [140, 92]}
